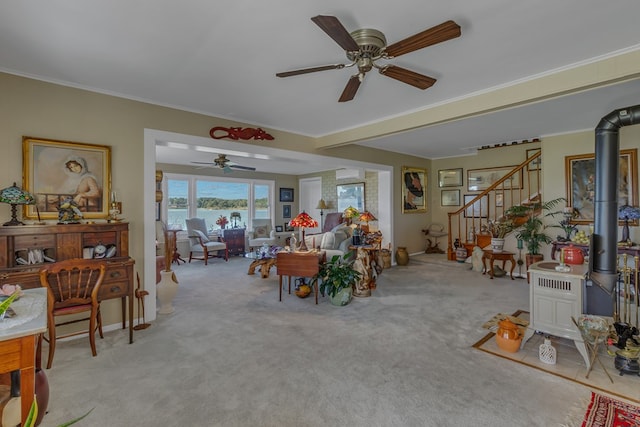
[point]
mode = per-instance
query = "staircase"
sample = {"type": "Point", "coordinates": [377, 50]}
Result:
{"type": "Point", "coordinates": [468, 223]}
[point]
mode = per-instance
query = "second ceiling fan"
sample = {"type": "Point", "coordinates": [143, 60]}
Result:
{"type": "Point", "coordinates": [365, 46]}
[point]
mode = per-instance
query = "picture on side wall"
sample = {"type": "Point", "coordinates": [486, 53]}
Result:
{"type": "Point", "coordinates": [580, 179]}
{"type": "Point", "coordinates": [56, 171]}
{"type": "Point", "coordinates": [286, 194]}
{"type": "Point", "coordinates": [286, 211]}
{"type": "Point", "coordinates": [414, 183]}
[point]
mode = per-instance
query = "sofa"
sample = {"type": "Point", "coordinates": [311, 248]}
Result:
{"type": "Point", "coordinates": [333, 242]}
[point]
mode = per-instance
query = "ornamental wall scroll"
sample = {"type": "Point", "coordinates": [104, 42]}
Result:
{"type": "Point", "coordinates": [237, 133]}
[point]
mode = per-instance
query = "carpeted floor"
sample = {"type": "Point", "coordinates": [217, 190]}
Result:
{"type": "Point", "coordinates": [232, 355]}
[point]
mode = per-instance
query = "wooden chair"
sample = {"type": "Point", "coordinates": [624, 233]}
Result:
{"type": "Point", "coordinates": [72, 288]}
{"type": "Point", "coordinates": [199, 242]}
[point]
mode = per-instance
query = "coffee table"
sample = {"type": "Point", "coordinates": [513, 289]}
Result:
{"type": "Point", "coordinates": [264, 262]}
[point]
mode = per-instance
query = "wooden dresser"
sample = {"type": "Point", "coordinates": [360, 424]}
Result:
{"type": "Point", "coordinates": [59, 242]}
{"type": "Point", "coordinates": [234, 238]}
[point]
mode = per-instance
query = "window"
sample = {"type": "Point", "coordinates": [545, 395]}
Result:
{"type": "Point", "coordinates": [191, 196]}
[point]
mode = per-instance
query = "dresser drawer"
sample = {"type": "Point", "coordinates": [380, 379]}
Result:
{"type": "Point", "coordinates": [115, 289]}
{"type": "Point", "coordinates": [116, 272]}
{"type": "Point", "coordinates": [34, 241]}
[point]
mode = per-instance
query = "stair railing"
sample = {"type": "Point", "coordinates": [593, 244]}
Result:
{"type": "Point", "coordinates": [468, 224]}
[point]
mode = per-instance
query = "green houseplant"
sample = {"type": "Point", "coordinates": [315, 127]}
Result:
{"type": "Point", "coordinates": [337, 278]}
{"type": "Point", "coordinates": [532, 232]}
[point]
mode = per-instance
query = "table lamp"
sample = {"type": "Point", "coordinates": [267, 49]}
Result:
{"type": "Point", "coordinates": [350, 213]}
{"type": "Point", "coordinates": [365, 217]}
{"type": "Point", "coordinates": [626, 213]}
{"type": "Point", "coordinates": [235, 217]}
{"type": "Point", "coordinates": [15, 196]}
{"type": "Point", "coordinates": [303, 220]}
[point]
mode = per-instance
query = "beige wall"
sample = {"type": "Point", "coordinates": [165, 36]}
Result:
{"type": "Point", "coordinates": [39, 109]}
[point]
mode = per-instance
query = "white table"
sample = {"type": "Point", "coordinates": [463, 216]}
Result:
{"type": "Point", "coordinates": [18, 343]}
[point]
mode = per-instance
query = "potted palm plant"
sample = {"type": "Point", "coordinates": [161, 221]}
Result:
{"type": "Point", "coordinates": [532, 232]}
{"type": "Point", "coordinates": [337, 278]}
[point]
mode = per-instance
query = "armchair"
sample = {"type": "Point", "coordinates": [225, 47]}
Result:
{"type": "Point", "coordinates": [199, 242]}
{"type": "Point", "coordinates": [262, 233]}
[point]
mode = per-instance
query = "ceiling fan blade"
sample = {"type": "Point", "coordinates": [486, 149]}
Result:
{"type": "Point", "coordinates": [407, 76]}
{"type": "Point", "coordinates": [332, 26]}
{"type": "Point", "coordinates": [204, 163]}
{"type": "Point", "coordinates": [247, 168]}
{"type": "Point", "coordinates": [440, 33]}
{"type": "Point", "coordinates": [310, 70]}
{"type": "Point", "coordinates": [350, 89]}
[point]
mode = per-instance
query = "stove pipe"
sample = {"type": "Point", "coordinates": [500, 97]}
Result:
{"type": "Point", "coordinates": [604, 245]}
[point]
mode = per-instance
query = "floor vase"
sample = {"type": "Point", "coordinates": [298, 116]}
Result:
{"type": "Point", "coordinates": [166, 291]}
{"type": "Point", "coordinates": [402, 256]}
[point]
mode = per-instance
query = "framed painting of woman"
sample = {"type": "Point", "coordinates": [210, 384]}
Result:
{"type": "Point", "coordinates": [59, 171]}
{"type": "Point", "coordinates": [414, 197]}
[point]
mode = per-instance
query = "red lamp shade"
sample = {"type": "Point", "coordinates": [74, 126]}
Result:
{"type": "Point", "coordinates": [367, 216]}
{"type": "Point", "coordinates": [303, 220]}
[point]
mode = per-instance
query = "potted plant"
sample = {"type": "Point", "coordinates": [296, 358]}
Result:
{"type": "Point", "coordinates": [499, 230]}
{"type": "Point", "coordinates": [532, 232]}
{"type": "Point", "coordinates": [337, 278]}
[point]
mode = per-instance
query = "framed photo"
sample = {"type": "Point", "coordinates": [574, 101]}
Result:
{"type": "Point", "coordinates": [286, 194]}
{"type": "Point", "coordinates": [286, 211]}
{"type": "Point", "coordinates": [481, 179]}
{"type": "Point", "coordinates": [450, 178]}
{"type": "Point", "coordinates": [450, 198]}
{"type": "Point", "coordinates": [279, 228]}
{"type": "Point", "coordinates": [537, 163]}
{"type": "Point", "coordinates": [414, 184]}
{"type": "Point", "coordinates": [480, 209]}
{"type": "Point", "coordinates": [287, 227]}
{"type": "Point", "coordinates": [350, 195]}
{"type": "Point", "coordinates": [499, 199]}
{"type": "Point", "coordinates": [54, 171]}
{"type": "Point", "coordinates": [580, 179]}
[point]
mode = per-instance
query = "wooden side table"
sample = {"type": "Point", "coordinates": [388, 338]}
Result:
{"type": "Point", "coordinates": [503, 256]}
{"type": "Point", "coordinates": [299, 264]}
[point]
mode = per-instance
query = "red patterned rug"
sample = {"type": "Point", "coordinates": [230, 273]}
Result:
{"type": "Point", "coordinates": [604, 411]}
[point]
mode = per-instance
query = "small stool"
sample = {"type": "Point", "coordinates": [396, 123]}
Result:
{"type": "Point", "coordinates": [594, 331]}
{"type": "Point", "coordinates": [434, 230]}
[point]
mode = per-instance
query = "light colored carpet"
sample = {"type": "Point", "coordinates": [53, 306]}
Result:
{"type": "Point", "coordinates": [232, 355]}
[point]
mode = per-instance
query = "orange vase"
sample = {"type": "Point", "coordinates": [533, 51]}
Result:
{"type": "Point", "coordinates": [508, 336]}
{"type": "Point", "coordinates": [573, 255]}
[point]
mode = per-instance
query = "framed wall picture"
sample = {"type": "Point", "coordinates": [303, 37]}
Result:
{"type": "Point", "coordinates": [54, 171]}
{"type": "Point", "coordinates": [450, 198]}
{"type": "Point", "coordinates": [286, 194]}
{"type": "Point", "coordinates": [537, 163]}
{"type": "Point", "coordinates": [350, 195]}
{"type": "Point", "coordinates": [286, 211]}
{"type": "Point", "coordinates": [279, 228]}
{"type": "Point", "coordinates": [287, 227]}
{"type": "Point", "coordinates": [580, 180]}
{"type": "Point", "coordinates": [414, 184]}
{"type": "Point", "coordinates": [480, 209]}
{"type": "Point", "coordinates": [481, 179]}
{"type": "Point", "coordinates": [450, 178]}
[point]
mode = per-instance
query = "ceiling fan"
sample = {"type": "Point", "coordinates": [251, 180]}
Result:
{"type": "Point", "coordinates": [364, 47]}
{"type": "Point", "coordinates": [225, 164]}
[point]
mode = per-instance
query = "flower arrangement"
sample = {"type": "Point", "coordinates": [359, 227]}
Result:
{"type": "Point", "coordinates": [222, 221]}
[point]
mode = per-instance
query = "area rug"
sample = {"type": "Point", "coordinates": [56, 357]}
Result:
{"type": "Point", "coordinates": [605, 411]}
{"type": "Point", "coordinates": [570, 364]}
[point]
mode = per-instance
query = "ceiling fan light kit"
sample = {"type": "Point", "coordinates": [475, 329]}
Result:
{"type": "Point", "coordinates": [225, 164]}
{"type": "Point", "coordinates": [363, 47]}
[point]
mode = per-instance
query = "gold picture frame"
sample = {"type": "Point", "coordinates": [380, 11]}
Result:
{"type": "Point", "coordinates": [414, 193]}
{"type": "Point", "coordinates": [580, 183]}
{"type": "Point", "coordinates": [450, 177]}
{"type": "Point", "coordinates": [56, 170]}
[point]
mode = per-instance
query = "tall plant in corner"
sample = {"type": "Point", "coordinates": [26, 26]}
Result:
{"type": "Point", "coordinates": [532, 232]}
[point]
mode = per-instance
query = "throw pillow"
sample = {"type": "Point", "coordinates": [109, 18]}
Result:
{"type": "Point", "coordinates": [328, 241]}
{"type": "Point", "coordinates": [260, 232]}
{"type": "Point", "coordinates": [203, 237]}
{"type": "Point", "coordinates": [339, 237]}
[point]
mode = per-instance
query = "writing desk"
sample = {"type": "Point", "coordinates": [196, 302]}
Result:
{"type": "Point", "coordinates": [18, 348]}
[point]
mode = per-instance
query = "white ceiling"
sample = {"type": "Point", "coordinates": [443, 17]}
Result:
{"type": "Point", "coordinates": [220, 58]}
